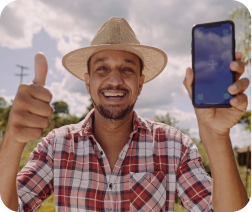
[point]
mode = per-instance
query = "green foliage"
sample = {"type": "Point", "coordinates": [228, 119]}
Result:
{"type": "Point", "coordinates": [60, 107]}
{"type": "Point", "coordinates": [57, 120]}
{"type": "Point", "coordinates": [167, 119]}
{"type": "Point", "coordinates": [246, 120]}
{"type": "Point", "coordinates": [202, 152]}
{"type": "Point", "coordinates": [48, 205]}
{"type": "Point", "coordinates": [179, 208]}
{"type": "Point", "coordinates": [3, 103]}
{"type": "Point", "coordinates": [4, 114]}
{"type": "Point", "coordinates": [89, 108]}
{"type": "Point", "coordinates": [171, 121]}
{"type": "Point", "coordinates": [30, 146]}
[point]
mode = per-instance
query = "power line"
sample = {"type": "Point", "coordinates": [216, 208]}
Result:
{"type": "Point", "coordinates": [21, 75]}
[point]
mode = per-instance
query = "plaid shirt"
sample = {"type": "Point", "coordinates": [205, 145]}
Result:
{"type": "Point", "coordinates": [156, 162]}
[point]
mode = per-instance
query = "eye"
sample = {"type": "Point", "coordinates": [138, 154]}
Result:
{"type": "Point", "coordinates": [128, 70]}
{"type": "Point", "coordinates": [102, 68]}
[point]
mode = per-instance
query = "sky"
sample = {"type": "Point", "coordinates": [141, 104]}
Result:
{"type": "Point", "coordinates": [56, 27]}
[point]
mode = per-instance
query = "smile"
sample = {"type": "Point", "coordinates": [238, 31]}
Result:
{"type": "Point", "coordinates": [114, 96]}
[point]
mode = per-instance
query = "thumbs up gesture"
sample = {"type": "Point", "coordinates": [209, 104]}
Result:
{"type": "Point", "coordinates": [31, 108]}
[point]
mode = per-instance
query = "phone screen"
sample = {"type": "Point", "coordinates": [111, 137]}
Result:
{"type": "Point", "coordinates": [213, 51]}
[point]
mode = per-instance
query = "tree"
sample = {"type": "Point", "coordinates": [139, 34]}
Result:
{"type": "Point", "coordinates": [246, 120]}
{"type": "Point", "coordinates": [89, 108]}
{"type": "Point", "coordinates": [3, 103]}
{"type": "Point", "coordinates": [242, 20]}
{"type": "Point", "coordinates": [60, 117]}
{"type": "Point", "coordinates": [167, 119]}
{"type": "Point", "coordinates": [4, 113]}
{"type": "Point", "coordinates": [60, 107]}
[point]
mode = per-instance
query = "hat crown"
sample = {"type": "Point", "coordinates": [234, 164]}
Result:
{"type": "Point", "coordinates": [116, 30]}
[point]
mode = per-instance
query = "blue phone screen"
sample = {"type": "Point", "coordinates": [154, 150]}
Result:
{"type": "Point", "coordinates": [212, 58]}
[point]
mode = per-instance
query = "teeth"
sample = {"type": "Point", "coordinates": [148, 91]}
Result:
{"type": "Point", "coordinates": [113, 94]}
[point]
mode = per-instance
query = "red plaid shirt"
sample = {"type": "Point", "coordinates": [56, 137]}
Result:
{"type": "Point", "coordinates": [156, 162]}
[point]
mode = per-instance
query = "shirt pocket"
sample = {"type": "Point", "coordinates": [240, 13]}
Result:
{"type": "Point", "coordinates": [147, 191]}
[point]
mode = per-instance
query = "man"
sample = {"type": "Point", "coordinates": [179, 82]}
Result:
{"type": "Point", "coordinates": [114, 160]}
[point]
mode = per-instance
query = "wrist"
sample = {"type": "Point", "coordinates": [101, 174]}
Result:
{"type": "Point", "coordinates": [213, 140]}
{"type": "Point", "coordinates": [9, 141]}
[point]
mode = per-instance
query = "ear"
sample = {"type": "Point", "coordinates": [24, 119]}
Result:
{"type": "Point", "coordinates": [87, 81]}
{"type": "Point", "coordinates": [141, 82]}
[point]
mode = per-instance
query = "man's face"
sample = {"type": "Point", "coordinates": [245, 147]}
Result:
{"type": "Point", "coordinates": [114, 82]}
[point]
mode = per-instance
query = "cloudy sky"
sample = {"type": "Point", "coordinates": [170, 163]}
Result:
{"type": "Point", "coordinates": [56, 27]}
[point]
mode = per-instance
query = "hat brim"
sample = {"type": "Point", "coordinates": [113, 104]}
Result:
{"type": "Point", "coordinates": [154, 60]}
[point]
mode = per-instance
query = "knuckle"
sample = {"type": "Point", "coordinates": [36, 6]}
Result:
{"type": "Point", "coordinates": [22, 86]}
{"type": "Point", "coordinates": [49, 111]}
{"type": "Point", "coordinates": [52, 110]}
{"type": "Point", "coordinates": [46, 123]}
{"type": "Point", "coordinates": [48, 94]}
{"type": "Point", "coordinates": [246, 81]}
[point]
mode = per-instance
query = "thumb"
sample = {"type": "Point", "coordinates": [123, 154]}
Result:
{"type": "Point", "coordinates": [41, 67]}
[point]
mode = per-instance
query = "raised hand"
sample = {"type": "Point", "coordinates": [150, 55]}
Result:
{"type": "Point", "coordinates": [220, 120]}
{"type": "Point", "coordinates": [31, 108]}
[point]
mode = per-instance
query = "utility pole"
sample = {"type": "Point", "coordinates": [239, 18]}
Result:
{"type": "Point", "coordinates": [21, 75]}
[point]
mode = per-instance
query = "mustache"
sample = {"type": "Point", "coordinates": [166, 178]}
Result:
{"type": "Point", "coordinates": [114, 88]}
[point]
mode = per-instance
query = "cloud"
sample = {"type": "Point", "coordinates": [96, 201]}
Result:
{"type": "Point", "coordinates": [77, 102]}
{"type": "Point", "coordinates": [72, 24]}
{"type": "Point", "coordinates": [18, 24]}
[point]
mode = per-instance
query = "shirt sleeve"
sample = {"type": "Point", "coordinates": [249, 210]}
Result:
{"type": "Point", "coordinates": [194, 185]}
{"type": "Point", "coordinates": [35, 180]}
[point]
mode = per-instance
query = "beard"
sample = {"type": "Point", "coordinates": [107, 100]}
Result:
{"type": "Point", "coordinates": [113, 113]}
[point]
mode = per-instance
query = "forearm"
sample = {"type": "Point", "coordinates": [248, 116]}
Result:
{"type": "Point", "coordinates": [229, 193]}
{"type": "Point", "coordinates": [10, 154]}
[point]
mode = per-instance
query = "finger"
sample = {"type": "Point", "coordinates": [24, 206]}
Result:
{"type": "Point", "coordinates": [41, 67]}
{"type": "Point", "coordinates": [239, 86]}
{"type": "Point", "coordinates": [35, 121]}
{"type": "Point", "coordinates": [40, 108]}
{"type": "Point", "coordinates": [188, 81]}
{"type": "Point", "coordinates": [238, 55]}
{"type": "Point", "coordinates": [240, 102]}
{"type": "Point", "coordinates": [41, 93]}
{"type": "Point", "coordinates": [238, 67]}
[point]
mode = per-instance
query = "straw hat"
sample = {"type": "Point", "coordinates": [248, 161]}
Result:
{"type": "Point", "coordinates": [116, 34]}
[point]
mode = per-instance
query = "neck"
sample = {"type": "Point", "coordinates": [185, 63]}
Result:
{"type": "Point", "coordinates": [112, 132]}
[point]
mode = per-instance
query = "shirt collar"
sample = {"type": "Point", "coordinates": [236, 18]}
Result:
{"type": "Point", "coordinates": [85, 126]}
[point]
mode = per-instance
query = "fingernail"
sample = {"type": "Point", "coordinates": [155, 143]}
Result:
{"type": "Point", "coordinates": [233, 87]}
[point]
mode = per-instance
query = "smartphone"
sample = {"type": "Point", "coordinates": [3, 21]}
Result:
{"type": "Point", "coordinates": [213, 49]}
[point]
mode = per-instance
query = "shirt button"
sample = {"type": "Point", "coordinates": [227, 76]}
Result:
{"type": "Point", "coordinates": [101, 152]}
{"type": "Point", "coordinates": [110, 186]}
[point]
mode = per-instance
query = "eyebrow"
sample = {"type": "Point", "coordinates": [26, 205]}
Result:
{"type": "Point", "coordinates": [129, 61]}
{"type": "Point", "coordinates": [105, 58]}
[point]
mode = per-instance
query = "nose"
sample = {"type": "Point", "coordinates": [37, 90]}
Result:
{"type": "Point", "coordinates": [115, 78]}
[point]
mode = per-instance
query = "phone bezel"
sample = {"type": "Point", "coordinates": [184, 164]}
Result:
{"type": "Point", "coordinates": [193, 57]}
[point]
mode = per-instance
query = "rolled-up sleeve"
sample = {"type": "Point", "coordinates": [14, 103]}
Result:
{"type": "Point", "coordinates": [35, 180]}
{"type": "Point", "coordinates": [194, 185]}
